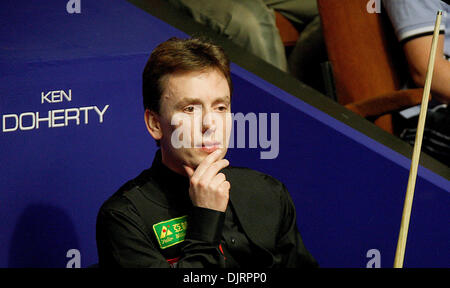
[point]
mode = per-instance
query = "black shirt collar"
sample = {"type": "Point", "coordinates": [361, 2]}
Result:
{"type": "Point", "coordinates": [173, 188]}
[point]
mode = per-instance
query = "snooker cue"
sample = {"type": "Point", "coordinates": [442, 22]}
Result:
{"type": "Point", "coordinates": [401, 244]}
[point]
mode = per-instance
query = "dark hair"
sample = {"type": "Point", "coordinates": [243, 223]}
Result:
{"type": "Point", "coordinates": [178, 55]}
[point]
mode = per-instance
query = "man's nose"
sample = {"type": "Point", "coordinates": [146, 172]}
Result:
{"type": "Point", "coordinates": [208, 122]}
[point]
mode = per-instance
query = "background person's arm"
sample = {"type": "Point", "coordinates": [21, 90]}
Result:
{"type": "Point", "coordinates": [417, 52]}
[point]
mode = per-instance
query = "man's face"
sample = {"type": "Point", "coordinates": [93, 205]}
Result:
{"type": "Point", "coordinates": [194, 117]}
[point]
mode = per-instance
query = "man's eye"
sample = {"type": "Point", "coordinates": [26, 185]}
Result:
{"type": "Point", "coordinates": [189, 109]}
{"type": "Point", "coordinates": [222, 108]}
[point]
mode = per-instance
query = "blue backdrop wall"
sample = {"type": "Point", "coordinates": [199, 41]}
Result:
{"type": "Point", "coordinates": [73, 133]}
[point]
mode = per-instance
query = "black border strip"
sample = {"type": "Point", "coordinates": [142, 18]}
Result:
{"type": "Point", "coordinates": [163, 11]}
{"type": "Point", "coordinates": [403, 41]}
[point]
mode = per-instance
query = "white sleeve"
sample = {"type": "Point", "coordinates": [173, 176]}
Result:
{"type": "Point", "coordinates": [412, 18]}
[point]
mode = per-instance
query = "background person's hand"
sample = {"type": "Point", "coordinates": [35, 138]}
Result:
{"type": "Point", "coordinates": [209, 188]}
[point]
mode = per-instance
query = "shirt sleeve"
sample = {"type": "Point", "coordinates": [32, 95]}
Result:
{"type": "Point", "coordinates": [123, 241]}
{"type": "Point", "coordinates": [290, 247]}
{"type": "Point", "coordinates": [412, 19]}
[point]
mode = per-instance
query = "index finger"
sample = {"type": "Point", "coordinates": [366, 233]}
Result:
{"type": "Point", "coordinates": [208, 161]}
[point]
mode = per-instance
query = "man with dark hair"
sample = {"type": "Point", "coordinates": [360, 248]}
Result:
{"type": "Point", "coordinates": [190, 209]}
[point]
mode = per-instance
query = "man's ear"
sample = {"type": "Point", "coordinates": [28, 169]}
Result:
{"type": "Point", "coordinates": [153, 124]}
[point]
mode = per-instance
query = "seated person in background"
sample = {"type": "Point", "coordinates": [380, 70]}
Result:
{"type": "Point", "coordinates": [414, 22]}
{"type": "Point", "coordinates": [190, 209]}
{"type": "Point", "coordinates": [251, 25]}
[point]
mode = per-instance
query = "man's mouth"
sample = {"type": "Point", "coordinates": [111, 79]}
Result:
{"type": "Point", "coordinates": [210, 147]}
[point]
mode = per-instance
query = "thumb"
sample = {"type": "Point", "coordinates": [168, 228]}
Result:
{"type": "Point", "coordinates": [189, 171]}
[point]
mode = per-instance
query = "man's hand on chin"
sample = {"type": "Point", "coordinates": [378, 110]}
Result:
{"type": "Point", "coordinates": [209, 188]}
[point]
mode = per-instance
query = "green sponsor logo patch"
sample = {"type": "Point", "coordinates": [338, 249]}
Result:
{"type": "Point", "coordinates": [170, 232]}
